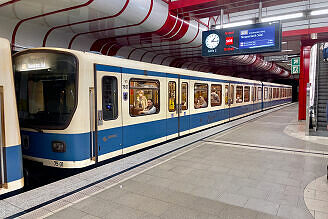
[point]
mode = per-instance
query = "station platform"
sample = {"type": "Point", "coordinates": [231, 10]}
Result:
{"type": "Point", "coordinates": [259, 166]}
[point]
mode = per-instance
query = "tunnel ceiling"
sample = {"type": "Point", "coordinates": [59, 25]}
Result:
{"type": "Point", "coordinates": [158, 31]}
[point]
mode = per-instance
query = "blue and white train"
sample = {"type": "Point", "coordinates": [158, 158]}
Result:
{"type": "Point", "coordinates": [11, 171]}
{"type": "Point", "coordinates": [78, 108]}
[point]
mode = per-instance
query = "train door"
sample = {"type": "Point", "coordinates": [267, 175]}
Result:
{"type": "Point", "coordinates": [2, 141]}
{"type": "Point", "coordinates": [183, 107]}
{"type": "Point", "coordinates": [108, 114]}
{"type": "Point", "coordinates": [253, 97]}
{"type": "Point", "coordinates": [172, 115]}
{"type": "Point", "coordinates": [226, 101]}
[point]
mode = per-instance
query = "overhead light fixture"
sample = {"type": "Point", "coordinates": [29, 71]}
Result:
{"type": "Point", "coordinates": [283, 17]}
{"type": "Point", "coordinates": [283, 42]}
{"type": "Point", "coordinates": [236, 24]}
{"type": "Point", "coordinates": [314, 36]}
{"type": "Point", "coordinates": [319, 12]}
{"type": "Point", "coordinates": [287, 50]}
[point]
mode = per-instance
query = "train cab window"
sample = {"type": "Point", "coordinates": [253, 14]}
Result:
{"type": "Point", "coordinates": [201, 95]}
{"type": "Point", "coordinates": [259, 93]}
{"type": "Point", "coordinates": [184, 96]}
{"type": "Point", "coordinates": [144, 97]}
{"type": "Point", "coordinates": [247, 94]}
{"type": "Point", "coordinates": [239, 94]}
{"type": "Point", "coordinates": [109, 98]}
{"type": "Point", "coordinates": [265, 93]}
{"type": "Point", "coordinates": [216, 95]}
{"type": "Point", "coordinates": [172, 96]}
{"type": "Point", "coordinates": [46, 89]}
{"type": "Point", "coordinates": [226, 92]}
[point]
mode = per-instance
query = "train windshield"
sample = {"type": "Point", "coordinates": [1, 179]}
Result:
{"type": "Point", "coordinates": [45, 85]}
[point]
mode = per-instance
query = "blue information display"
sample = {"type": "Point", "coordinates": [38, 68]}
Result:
{"type": "Point", "coordinates": [256, 38]}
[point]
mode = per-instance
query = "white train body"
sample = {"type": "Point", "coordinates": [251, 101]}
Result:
{"type": "Point", "coordinates": [11, 172]}
{"type": "Point", "coordinates": [91, 107]}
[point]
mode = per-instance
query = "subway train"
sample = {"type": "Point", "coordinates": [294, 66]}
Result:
{"type": "Point", "coordinates": [11, 166]}
{"type": "Point", "coordinates": [77, 108]}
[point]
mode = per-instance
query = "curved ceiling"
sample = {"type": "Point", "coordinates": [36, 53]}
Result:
{"type": "Point", "coordinates": [157, 31]}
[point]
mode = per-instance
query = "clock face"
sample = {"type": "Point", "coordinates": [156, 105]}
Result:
{"type": "Point", "coordinates": [212, 41]}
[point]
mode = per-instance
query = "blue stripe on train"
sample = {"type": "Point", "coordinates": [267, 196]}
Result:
{"type": "Point", "coordinates": [40, 145]}
{"type": "Point", "coordinates": [78, 146]}
{"type": "Point", "coordinates": [14, 163]}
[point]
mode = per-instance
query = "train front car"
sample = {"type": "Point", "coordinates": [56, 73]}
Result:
{"type": "Point", "coordinates": [11, 170]}
{"type": "Point", "coordinates": [52, 125]}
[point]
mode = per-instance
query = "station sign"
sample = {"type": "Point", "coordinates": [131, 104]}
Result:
{"type": "Point", "coordinates": [276, 58]}
{"type": "Point", "coordinates": [250, 39]}
{"type": "Point", "coordinates": [295, 65]}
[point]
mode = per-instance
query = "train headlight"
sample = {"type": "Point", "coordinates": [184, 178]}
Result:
{"type": "Point", "coordinates": [58, 146]}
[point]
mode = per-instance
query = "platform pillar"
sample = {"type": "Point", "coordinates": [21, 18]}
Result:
{"type": "Point", "coordinates": [303, 79]}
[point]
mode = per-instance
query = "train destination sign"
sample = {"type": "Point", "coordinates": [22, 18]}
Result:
{"type": "Point", "coordinates": [250, 39]}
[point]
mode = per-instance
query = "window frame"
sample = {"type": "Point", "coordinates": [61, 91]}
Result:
{"type": "Point", "coordinates": [187, 99]}
{"type": "Point", "coordinates": [266, 93]}
{"type": "Point", "coordinates": [77, 87]}
{"type": "Point", "coordinates": [102, 97]}
{"type": "Point", "coordinates": [242, 93]}
{"type": "Point", "coordinates": [159, 96]}
{"type": "Point", "coordinates": [232, 94]}
{"type": "Point", "coordinates": [226, 94]}
{"type": "Point", "coordinates": [195, 93]}
{"type": "Point", "coordinates": [217, 85]}
{"type": "Point", "coordinates": [259, 98]}
{"type": "Point", "coordinates": [175, 96]}
{"type": "Point", "coordinates": [249, 94]}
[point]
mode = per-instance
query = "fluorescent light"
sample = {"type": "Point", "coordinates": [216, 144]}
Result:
{"type": "Point", "coordinates": [319, 12]}
{"type": "Point", "coordinates": [282, 17]}
{"type": "Point", "coordinates": [287, 50]}
{"type": "Point", "coordinates": [283, 42]}
{"type": "Point", "coordinates": [236, 24]}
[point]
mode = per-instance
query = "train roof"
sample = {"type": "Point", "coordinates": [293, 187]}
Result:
{"type": "Point", "coordinates": [128, 63]}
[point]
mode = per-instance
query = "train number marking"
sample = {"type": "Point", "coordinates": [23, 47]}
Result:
{"type": "Point", "coordinates": [58, 163]}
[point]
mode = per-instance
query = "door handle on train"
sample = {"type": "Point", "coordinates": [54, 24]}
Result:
{"type": "Point", "coordinates": [100, 117]}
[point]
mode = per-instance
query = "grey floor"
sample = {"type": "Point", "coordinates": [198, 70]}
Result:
{"type": "Point", "coordinates": [269, 131]}
{"type": "Point", "coordinates": [210, 179]}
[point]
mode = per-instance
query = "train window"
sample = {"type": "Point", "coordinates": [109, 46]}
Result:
{"type": "Point", "coordinates": [46, 89]}
{"type": "Point", "coordinates": [270, 93]}
{"type": "Point", "coordinates": [216, 95]}
{"type": "Point", "coordinates": [239, 94]}
{"type": "Point", "coordinates": [231, 94]}
{"type": "Point", "coordinates": [226, 97]}
{"type": "Point", "coordinates": [259, 93]}
{"type": "Point", "coordinates": [172, 96]}
{"type": "Point", "coordinates": [265, 93]}
{"type": "Point", "coordinates": [247, 94]}
{"type": "Point", "coordinates": [273, 93]}
{"type": "Point", "coordinates": [109, 98]}
{"type": "Point", "coordinates": [144, 97]}
{"type": "Point", "coordinates": [201, 95]}
{"type": "Point", "coordinates": [254, 93]}
{"type": "Point", "coordinates": [184, 96]}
